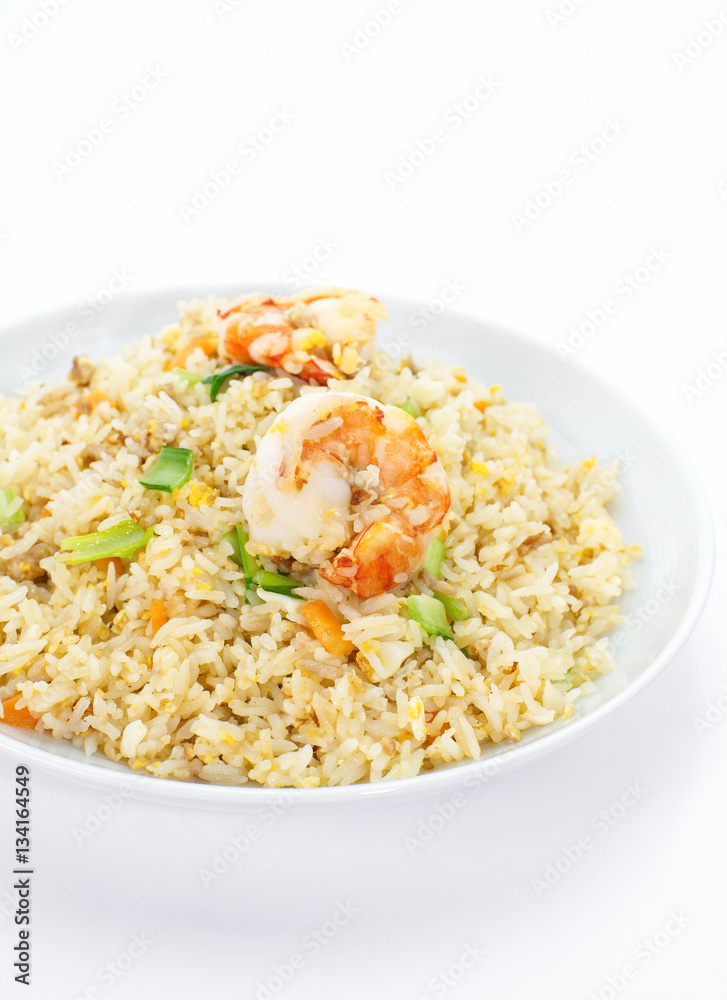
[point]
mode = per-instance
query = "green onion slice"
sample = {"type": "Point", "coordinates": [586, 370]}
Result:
{"type": "Point", "coordinates": [171, 470]}
{"type": "Point", "coordinates": [232, 537]}
{"type": "Point", "coordinates": [238, 539]}
{"type": "Point", "coordinates": [11, 508]}
{"type": "Point", "coordinates": [430, 614]}
{"type": "Point", "coordinates": [255, 575]}
{"type": "Point", "coordinates": [455, 609]}
{"type": "Point", "coordinates": [218, 382]}
{"type": "Point", "coordinates": [276, 583]}
{"type": "Point", "coordinates": [123, 540]}
{"type": "Point", "coordinates": [410, 407]}
{"type": "Point", "coordinates": [250, 564]}
{"type": "Point", "coordinates": [191, 377]}
{"type": "Point", "coordinates": [435, 556]}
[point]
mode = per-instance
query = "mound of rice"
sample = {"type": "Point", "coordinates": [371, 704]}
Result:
{"type": "Point", "coordinates": [230, 692]}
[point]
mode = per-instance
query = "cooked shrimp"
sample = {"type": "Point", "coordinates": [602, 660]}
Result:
{"type": "Point", "coordinates": [316, 335]}
{"type": "Point", "coordinates": [350, 486]}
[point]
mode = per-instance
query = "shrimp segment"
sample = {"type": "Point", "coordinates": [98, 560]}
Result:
{"type": "Point", "coordinates": [316, 336]}
{"type": "Point", "coordinates": [350, 486]}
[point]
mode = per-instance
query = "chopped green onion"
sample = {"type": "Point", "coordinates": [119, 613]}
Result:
{"type": "Point", "coordinates": [430, 614]}
{"type": "Point", "coordinates": [171, 470]}
{"type": "Point", "coordinates": [11, 508]}
{"type": "Point", "coordinates": [412, 408]}
{"type": "Point", "coordinates": [276, 583]}
{"type": "Point", "coordinates": [218, 382]}
{"type": "Point", "coordinates": [233, 539]}
{"type": "Point", "coordinates": [574, 677]}
{"type": "Point", "coordinates": [191, 377]}
{"type": "Point", "coordinates": [435, 556]}
{"type": "Point", "coordinates": [238, 539]}
{"type": "Point", "coordinates": [123, 540]}
{"type": "Point", "coordinates": [455, 609]}
{"type": "Point", "coordinates": [250, 564]}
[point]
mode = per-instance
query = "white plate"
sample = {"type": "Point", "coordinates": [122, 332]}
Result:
{"type": "Point", "coordinates": [662, 506]}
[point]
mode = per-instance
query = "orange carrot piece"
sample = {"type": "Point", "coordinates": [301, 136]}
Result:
{"type": "Point", "coordinates": [158, 616]}
{"type": "Point", "coordinates": [326, 628]}
{"type": "Point", "coordinates": [20, 717]}
{"type": "Point", "coordinates": [46, 513]}
{"type": "Point", "coordinates": [90, 400]}
{"type": "Point", "coordinates": [180, 358]}
{"type": "Point", "coordinates": [103, 565]}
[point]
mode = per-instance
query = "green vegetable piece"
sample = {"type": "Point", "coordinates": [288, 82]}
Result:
{"type": "Point", "coordinates": [231, 538]}
{"type": "Point", "coordinates": [11, 512]}
{"type": "Point", "coordinates": [455, 609]}
{"type": "Point", "coordinates": [276, 583]}
{"type": "Point", "coordinates": [435, 556]}
{"type": "Point", "coordinates": [238, 539]}
{"type": "Point", "coordinates": [171, 470]}
{"type": "Point", "coordinates": [430, 614]}
{"type": "Point", "coordinates": [123, 540]}
{"type": "Point", "coordinates": [250, 564]}
{"type": "Point", "coordinates": [190, 377]}
{"type": "Point", "coordinates": [412, 408]}
{"type": "Point", "coordinates": [218, 381]}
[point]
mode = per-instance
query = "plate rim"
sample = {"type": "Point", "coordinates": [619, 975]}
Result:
{"type": "Point", "coordinates": [473, 773]}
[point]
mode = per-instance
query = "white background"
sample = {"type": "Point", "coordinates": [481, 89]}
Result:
{"type": "Point", "coordinates": [357, 115]}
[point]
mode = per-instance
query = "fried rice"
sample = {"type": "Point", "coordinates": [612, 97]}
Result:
{"type": "Point", "coordinates": [233, 686]}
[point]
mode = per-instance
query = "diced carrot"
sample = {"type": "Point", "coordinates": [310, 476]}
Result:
{"type": "Point", "coordinates": [204, 343]}
{"type": "Point", "coordinates": [103, 565]}
{"type": "Point", "coordinates": [90, 400]}
{"type": "Point", "coordinates": [158, 616]}
{"type": "Point", "coordinates": [20, 717]}
{"type": "Point", "coordinates": [46, 513]}
{"type": "Point", "coordinates": [326, 628]}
